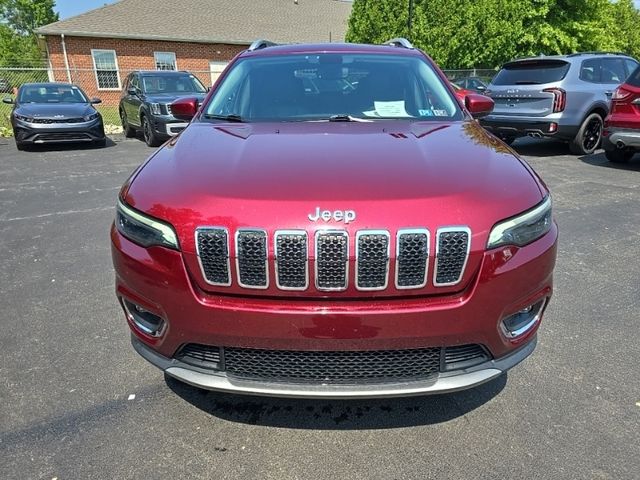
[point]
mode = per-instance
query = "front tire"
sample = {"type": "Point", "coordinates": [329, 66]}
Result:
{"type": "Point", "coordinates": [619, 155]}
{"type": "Point", "coordinates": [100, 143]}
{"type": "Point", "coordinates": [150, 136]}
{"type": "Point", "coordinates": [20, 146]}
{"type": "Point", "coordinates": [588, 137]}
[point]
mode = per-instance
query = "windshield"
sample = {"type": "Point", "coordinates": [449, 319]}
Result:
{"type": "Point", "coordinates": [531, 72]}
{"type": "Point", "coordinates": [307, 87]}
{"type": "Point", "coordinates": [51, 94]}
{"type": "Point", "coordinates": [634, 78]}
{"type": "Point", "coordinates": [160, 84]}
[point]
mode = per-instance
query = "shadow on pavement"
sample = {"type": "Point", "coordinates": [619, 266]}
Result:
{"type": "Point", "coordinates": [338, 414]}
{"type": "Point", "coordinates": [599, 160]}
{"type": "Point", "coordinates": [534, 147]}
{"type": "Point", "coordinates": [61, 147]}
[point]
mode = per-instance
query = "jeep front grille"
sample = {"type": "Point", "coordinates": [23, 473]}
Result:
{"type": "Point", "coordinates": [332, 256]}
{"type": "Point", "coordinates": [292, 259]}
{"type": "Point", "coordinates": [293, 253]}
{"type": "Point", "coordinates": [251, 258]}
{"type": "Point", "coordinates": [452, 251]}
{"type": "Point", "coordinates": [212, 246]}
{"type": "Point", "coordinates": [372, 259]}
{"type": "Point", "coordinates": [412, 258]}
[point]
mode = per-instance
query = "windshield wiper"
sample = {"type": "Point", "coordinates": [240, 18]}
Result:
{"type": "Point", "coordinates": [229, 118]}
{"type": "Point", "coordinates": [346, 118]}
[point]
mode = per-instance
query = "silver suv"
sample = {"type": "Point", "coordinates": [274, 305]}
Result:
{"type": "Point", "coordinates": [565, 97]}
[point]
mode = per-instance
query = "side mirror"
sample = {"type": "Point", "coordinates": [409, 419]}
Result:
{"type": "Point", "coordinates": [132, 91]}
{"type": "Point", "coordinates": [481, 88]}
{"type": "Point", "coordinates": [95, 100]}
{"type": "Point", "coordinates": [478, 105]}
{"type": "Point", "coordinates": [184, 108]}
{"type": "Point", "coordinates": [8, 100]}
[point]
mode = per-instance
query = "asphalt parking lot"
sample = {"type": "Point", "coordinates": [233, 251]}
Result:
{"type": "Point", "coordinates": [76, 402]}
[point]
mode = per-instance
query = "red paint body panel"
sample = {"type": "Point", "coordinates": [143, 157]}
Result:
{"type": "Point", "coordinates": [625, 112]}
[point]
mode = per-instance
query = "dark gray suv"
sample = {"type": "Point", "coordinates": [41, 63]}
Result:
{"type": "Point", "coordinates": [565, 97]}
{"type": "Point", "coordinates": [146, 103]}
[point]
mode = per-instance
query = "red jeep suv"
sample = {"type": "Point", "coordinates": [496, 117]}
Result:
{"type": "Point", "coordinates": [621, 134]}
{"type": "Point", "coordinates": [333, 223]}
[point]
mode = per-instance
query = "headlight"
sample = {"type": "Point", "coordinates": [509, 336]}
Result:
{"type": "Point", "coordinates": [523, 229]}
{"type": "Point", "coordinates": [155, 108]}
{"type": "Point", "coordinates": [22, 118]}
{"type": "Point", "coordinates": [144, 230]}
{"type": "Point", "coordinates": [91, 116]}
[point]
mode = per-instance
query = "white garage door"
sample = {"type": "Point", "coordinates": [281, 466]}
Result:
{"type": "Point", "coordinates": [216, 69]}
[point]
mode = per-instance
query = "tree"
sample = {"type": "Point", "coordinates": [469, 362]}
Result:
{"type": "Point", "coordinates": [486, 33]}
{"type": "Point", "coordinates": [19, 20]}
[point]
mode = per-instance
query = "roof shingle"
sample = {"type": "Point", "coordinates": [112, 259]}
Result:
{"type": "Point", "coordinates": [212, 21]}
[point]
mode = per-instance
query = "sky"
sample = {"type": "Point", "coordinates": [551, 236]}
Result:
{"type": "Point", "coordinates": [69, 8]}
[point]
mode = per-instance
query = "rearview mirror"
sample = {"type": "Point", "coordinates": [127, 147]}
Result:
{"type": "Point", "coordinates": [184, 108]}
{"type": "Point", "coordinates": [478, 105]}
{"type": "Point", "coordinates": [8, 100]}
{"type": "Point", "coordinates": [95, 100]}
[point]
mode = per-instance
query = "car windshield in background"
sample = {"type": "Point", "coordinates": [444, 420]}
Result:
{"type": "Point", "coordinates": [531, 72]}
{"type": "Point", "coordinates": [337, 87]}
{"type": "Point", "coordinates": [634, 78]}
{"type": "Point", "coordinates": [51, 94]}
{"type": "Point", "coordinates": [160, 84]}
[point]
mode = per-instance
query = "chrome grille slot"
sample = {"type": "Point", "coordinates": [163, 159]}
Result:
{"type": "Point", "coordinates": [412, 258]}
{"type": "Point", "coordinates": [212, 247]}
{"type": "Point", "coordinates": [251, 258]}
{"type": "Point", "coordinates": [332, 255]}
{"type": "Point", "coordinates": [372, 259]}
{"type": "Point", "coordinates": [452, 251]}
{"type": "Point", "coordinates": [292, 266]}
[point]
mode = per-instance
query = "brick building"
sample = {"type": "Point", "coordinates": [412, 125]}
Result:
{"type": "Point", "coordinates": [97, 49]}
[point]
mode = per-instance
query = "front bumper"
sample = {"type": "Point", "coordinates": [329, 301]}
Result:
{"type": "Point", "coordinates": [167, 125]}
{"type": "Point", "coordinates": [629, 137]}
{"type": "Point", "coordinates": [507, 281]}
{"type": "Point", "coordinates": [36, 133]}
{"type": "Point", "coordinates": [505, 126]}
{"type": "Point", "coordinates": [443, 383]}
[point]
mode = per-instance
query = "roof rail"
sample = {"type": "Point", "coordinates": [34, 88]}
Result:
{"type": "Point", "coordinates": [400, 42]}
{"type": "Point", "coordinates": [260, 44]}
{"type": "Point", "coordinates": [577, 54]}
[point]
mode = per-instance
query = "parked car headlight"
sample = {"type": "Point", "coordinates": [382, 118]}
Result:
{"type": "Point", "coordinates": [155, 108]}
{"type": "Point", "coordinates": [524, 228]}
{"type": "Point", "coordinates": [22, 118]}
{"type": "Point", "coordinates": [91, 116]}
{"type": "Point", "coordinates": [144, 230]}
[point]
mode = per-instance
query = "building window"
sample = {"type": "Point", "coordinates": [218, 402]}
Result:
{"type": "Point", "coordinates": [106, 66]}
{"type": "Point", "coordinates": [165, 60]}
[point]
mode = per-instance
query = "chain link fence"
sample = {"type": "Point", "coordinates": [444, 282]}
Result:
{"type": "Point", "coordinates": [106, 84]}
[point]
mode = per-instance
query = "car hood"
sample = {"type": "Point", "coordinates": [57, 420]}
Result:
{"type": "Point", "coordinates": [392, 174]}
{"type": "Point", "coordinates": [54, 110]}
{"type": "Point", "coordinates": [170, 97]}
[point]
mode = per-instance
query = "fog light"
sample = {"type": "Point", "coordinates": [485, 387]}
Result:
{"type": "Point", "coordinates": [553, 127]}
{"type": "Point", "coordinates": [147, 322]}
{"type": "Point", "coordinates": [521, 322]}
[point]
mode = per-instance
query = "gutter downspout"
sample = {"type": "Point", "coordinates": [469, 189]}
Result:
{"type": "Point", "coordinates": [66, 60]}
